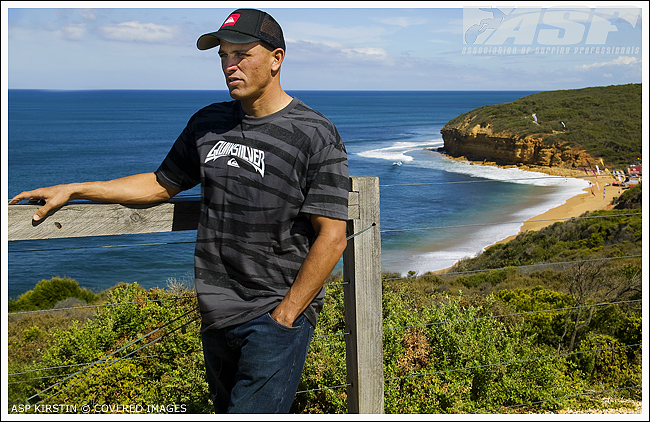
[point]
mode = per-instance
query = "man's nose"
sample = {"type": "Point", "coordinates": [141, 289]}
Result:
{"type": "Point", "coordinates": [229, 65]}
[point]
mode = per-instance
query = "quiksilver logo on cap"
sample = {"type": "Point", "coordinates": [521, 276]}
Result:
{"type": "Point", "coordinates": [232, 19]}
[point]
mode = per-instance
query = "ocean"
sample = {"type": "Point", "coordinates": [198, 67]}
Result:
{"type": "Point", "coordinates": [434, 211]}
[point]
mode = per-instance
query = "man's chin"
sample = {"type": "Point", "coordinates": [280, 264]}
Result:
{"type": "Point", "coordinates": [236, 95]}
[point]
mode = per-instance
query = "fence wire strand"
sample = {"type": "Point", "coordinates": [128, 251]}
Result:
{"type": "Point", "coordinates": [512, 362]}
{"type": "Point", "coordinates": [568, 396]}
{"type": "Point", "coordinates": [513, 314]}
{"type": "Point", "coordinates": [101, 305]}
{"type": "Point", "coordinates": [514, 267]}
{"type": "Point", "coordinates": [507, 222]}
{"type": "Point", "coordinates": [520, 179]}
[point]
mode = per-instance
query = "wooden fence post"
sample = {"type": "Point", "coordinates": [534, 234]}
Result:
{"type": "Point", "coordinates": [363, 303]}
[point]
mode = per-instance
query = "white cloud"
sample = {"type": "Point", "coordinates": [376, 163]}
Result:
{"type": "Point", "coordinates": [137, 31]}
{"type": "Point", "coordinates": [89, 14]}
{"type": "Point", "coordinates": [403, 22]}
{"type": "Point", "coordinates": [334, 53]}
{"type": "Point", "coordinates": [73, 32]}
{"type": "Point", "coordinates": [308, 31]}
{"type": "Point", "coordinates": [619, 61]}
{"type": "Point", "coordinates": [366, 54]}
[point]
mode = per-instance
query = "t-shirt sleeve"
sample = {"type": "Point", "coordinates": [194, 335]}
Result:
{"type": "Point", "coordinates": [181, 168]}
{"type": "Point", "coordinates": [328, 183]}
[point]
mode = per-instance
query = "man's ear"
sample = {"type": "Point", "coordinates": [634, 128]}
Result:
{"type": "Point", "coordinates": [278, 58]}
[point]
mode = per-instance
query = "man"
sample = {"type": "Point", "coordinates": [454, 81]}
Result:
{"type": "Point", "coordinates": [274, 187]}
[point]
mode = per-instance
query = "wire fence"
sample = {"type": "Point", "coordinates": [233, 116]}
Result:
{"type": "Point", "coordinates": [105, 361]}
{"type": "Point", "coordinates": [165, 329]}
{"type": "Point", "coordinates": [88, 365]}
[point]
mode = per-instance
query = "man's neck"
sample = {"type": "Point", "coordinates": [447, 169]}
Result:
{"type": "Point", "coordinates": [266, 104]}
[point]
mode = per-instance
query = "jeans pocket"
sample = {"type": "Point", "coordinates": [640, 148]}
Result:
{"type": "Point", "coordinates": [297, 324]}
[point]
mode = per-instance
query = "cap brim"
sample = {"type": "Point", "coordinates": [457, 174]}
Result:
{"type": "Point", "coordinates": [213, 39]}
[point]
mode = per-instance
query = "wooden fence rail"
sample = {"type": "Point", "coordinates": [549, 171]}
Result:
{"type": "Point", "coordinates": [361, 266]}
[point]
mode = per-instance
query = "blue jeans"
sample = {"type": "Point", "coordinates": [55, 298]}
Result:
{"type": "Point", "coordinates": [256, 367]}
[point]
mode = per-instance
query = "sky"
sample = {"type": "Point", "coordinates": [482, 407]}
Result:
{"type": "Point", "coordinates": [330, 45]}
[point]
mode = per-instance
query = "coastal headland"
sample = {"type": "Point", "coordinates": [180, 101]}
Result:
{"type": "Point", "coordinates": [559, 133]}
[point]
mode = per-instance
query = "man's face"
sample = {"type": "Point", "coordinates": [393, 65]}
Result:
{"type": "Point", "coordinates": [248, 68]}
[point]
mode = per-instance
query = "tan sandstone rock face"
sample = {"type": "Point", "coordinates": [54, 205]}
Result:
{"type": "Point", "coordinates": [480, 144]}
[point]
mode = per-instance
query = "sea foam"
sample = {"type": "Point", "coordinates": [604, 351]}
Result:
{"type": "Point", "coordinates": [441, 256]}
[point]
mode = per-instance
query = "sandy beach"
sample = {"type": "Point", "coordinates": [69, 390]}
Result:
{"type": "Point", "coordinates": [597, 197]}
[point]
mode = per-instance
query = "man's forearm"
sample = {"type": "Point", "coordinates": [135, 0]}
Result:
{"type": "Point", "coordinates": [318, 265]}
{"type": "Point", "coordinates": [141, 188]}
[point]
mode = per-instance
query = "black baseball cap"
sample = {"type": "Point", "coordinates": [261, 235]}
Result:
{"type": "Point", "coordinates": [243, 26]}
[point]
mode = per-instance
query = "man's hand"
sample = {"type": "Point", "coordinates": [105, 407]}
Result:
{"type": "Point", "coordinates": [54, 197]}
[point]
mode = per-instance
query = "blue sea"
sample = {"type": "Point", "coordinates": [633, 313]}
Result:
{"type": "Point", "coordinates": [434, 211]}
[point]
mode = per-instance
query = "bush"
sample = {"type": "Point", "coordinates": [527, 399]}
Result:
{"type": "Point", "coordinates": [546, 327]}
{"type": "Point", "coordinates": [603, 361]}
{"type": "Point", "coordinates": [631, 199]}
{"type": "Point", "coordinates": [461, 360]}
{"type": "Point", "coordinates": [47, 293]}
{"type": "Point", "coordinates": [610, 234]}
{"type": "Point", "coordinates": [325, 365]}
{"type": "Point", "coordinates": [442, 354]}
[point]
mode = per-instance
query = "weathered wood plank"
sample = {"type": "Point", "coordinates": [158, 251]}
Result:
{"type": "Point", "coordinates": [363, 304]}
{"type": "Point", "coordinates": [82, 219]}
{"type": "Point", "coordinates": [93, 219]}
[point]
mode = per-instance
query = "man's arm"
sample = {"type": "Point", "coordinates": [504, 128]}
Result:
{"type": "Point", "coordinates": [141, 188]}
{"type": "Point", "coordinates": [319, 263]}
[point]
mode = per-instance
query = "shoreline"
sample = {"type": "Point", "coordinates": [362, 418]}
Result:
{"type": "Point", "coordinates": [598, 196]}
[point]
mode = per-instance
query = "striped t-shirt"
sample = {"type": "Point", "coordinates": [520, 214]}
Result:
{"type": "Point", "coordinates": [261, 179]}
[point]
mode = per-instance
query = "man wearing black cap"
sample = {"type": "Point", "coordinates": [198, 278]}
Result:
{"type": "Point", "coordinates": [274, 186]}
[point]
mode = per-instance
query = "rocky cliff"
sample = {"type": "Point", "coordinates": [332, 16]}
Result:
{"type": "Point", "coordinates": [477, 143]}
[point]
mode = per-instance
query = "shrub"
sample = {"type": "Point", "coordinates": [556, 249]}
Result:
{"type": "Point", "coordinates": [545, 327]}
{"type": "Point", "coordinates": [442, 354]}
{"type": "Point", "coordinates": [452, 357]}
{"type": "Point", "coordinates": [325, 365]}
{"type": "Point", "coordinates": [604, 361]}
{"type": "Point", "coordinates": [47, 293]}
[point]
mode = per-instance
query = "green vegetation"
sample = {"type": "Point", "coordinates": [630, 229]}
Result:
{"type": "Point", "coordinates": [48, 292]}
{"type": "Point", "coordinates": [600, 234]}
{"type": "Point", "coordinates": [486, 337]}
{"type": "Point", "coordinates": [604, 121]}
{"type": "Point", "coordinates": [631, 199]}
{"type": "Point", "coordinates": [447, 361]}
